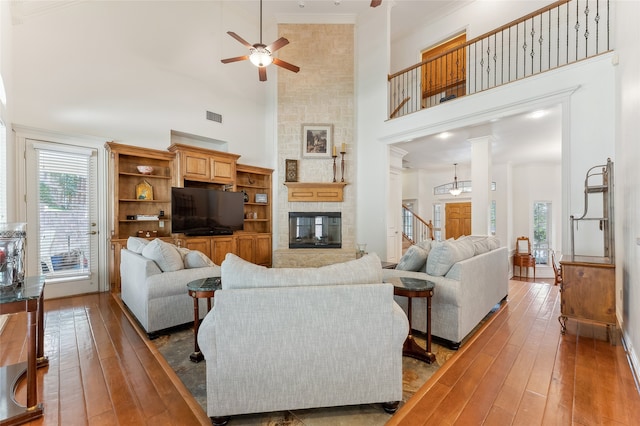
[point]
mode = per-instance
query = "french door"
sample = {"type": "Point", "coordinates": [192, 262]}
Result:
{"type": "Point", "coordinates": [62, 219]}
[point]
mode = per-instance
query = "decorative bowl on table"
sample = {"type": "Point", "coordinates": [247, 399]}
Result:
{"type": "Point", "coordinates": [145, 170]}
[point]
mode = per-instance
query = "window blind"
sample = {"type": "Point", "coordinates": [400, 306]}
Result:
{"type": "Point", "coordinates": [64, 205]}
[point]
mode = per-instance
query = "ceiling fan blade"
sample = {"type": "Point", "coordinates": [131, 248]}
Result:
{"type": "Point", "coordinates": [236, 59]}
{"type": "Point", "coordinates": [262, 73]}
{"type": "Point", "coordinates": [286, 65]}
{"type": "Point", "coordinates": [240, 39]}
{"type": "Point", "coordinates": [376, 3]}
{"type": "Point", "coordinates": [281, 42]}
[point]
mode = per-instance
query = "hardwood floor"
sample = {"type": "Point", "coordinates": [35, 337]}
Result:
{"type": "Point", "coordinates": [101, 371]}
{"type": "Point", "coordinates": [518, 369]}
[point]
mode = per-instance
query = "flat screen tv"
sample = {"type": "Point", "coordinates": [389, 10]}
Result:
{"type": "Point", "coordinates": [202, 211]}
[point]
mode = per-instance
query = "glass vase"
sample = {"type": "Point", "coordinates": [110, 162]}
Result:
{"type": "Point", "coordinates": [12, 237]}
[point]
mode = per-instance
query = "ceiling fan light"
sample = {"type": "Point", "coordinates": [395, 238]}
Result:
{"type": "Point", "coordinates": [260, 57]}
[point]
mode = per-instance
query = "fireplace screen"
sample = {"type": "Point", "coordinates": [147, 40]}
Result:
{"type": "Point", "coordinates": [315, 230]}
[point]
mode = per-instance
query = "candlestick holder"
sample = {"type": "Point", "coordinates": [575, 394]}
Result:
{"type": "Point", "coordinates": [334, 166]}
{"type": "Point", "coordinates": [342, 165]}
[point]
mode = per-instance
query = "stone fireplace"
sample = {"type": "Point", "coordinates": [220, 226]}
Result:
{"type": "Point", "coordinates": [315, 230]}
{"type": "Point", "coordinates": [333, 87]}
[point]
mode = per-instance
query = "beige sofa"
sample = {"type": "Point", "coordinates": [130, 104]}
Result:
{"type": "Point", "coordinates": [296, 338]}
{"type": "Point", "coordinates": [154, 277]}
{"type": "Point", "coordinates": [471, 276]}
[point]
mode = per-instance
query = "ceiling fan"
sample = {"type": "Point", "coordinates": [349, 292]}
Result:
{"type": "Point", "coordinates": [260, 54]}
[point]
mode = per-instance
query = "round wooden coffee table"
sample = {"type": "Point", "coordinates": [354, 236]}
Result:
{"type": "Point", "coordinates": [198, 289]}
{"type": "Point", "coordinates": [410, 288]}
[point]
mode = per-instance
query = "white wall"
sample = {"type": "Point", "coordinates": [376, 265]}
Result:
{"type": "Point", "coordinates": [116, 70]}
{"type": "Point", "coordinates": [6, 110]}
{"type": "Point", "coordinates": [371, 110]}
{"type": "Point", "coordinates": [531, 183]}
{"type": "Point", "coordinates": [628, 176]}
{"type": "Point", "coordinates": [474, 17]}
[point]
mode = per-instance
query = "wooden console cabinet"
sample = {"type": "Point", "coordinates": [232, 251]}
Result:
{"type": "Point", "coordinates": [204, 165]}
{"type": "Point", "coordinates": [587, 291]}
{"type": "Point", "coordinates": [186, 166]}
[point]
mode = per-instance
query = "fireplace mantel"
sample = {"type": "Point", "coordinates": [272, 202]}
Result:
{"type": "Point", "coordinates": [315, 191]}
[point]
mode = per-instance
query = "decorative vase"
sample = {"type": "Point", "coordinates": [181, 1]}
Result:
{"type": "Point", "coordinates": [12, 236]}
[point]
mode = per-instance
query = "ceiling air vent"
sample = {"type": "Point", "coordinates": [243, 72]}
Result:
{"type": "Point", "coordinates": [214, 117]}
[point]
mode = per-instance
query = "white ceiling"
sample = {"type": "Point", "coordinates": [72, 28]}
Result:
{"type": "Point", "coordinates": [517, 139]}
{"type": "Point", "coordinates": [530, 137]}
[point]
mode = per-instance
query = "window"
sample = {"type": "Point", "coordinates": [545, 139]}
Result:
{"type": "Point", "coordinates": [64, 211]}
{"type": "Point", "coordinates": [3, 172]}
{"type": "Point", "coordinates": [407, 220]}
{"type": "Point", "coordinates": [541, 231]}
{"type": "Point", "coordinates": [492, 218]}
{"type": "Point", "coordinates": [437, 222]}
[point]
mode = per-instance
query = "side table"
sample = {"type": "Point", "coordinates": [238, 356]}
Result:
{"type": "Point", "coordinates": [198, 289]}
{"type": "Point", "coordinates": [25, 298]}
{"type": "Point", "coordinates": [525, 261]}
{"type": "Point", "coordinates": [410, 288]}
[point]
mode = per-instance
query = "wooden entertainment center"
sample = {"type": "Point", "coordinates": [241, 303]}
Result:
{"type": "Point", "coordinates": [142, 201]}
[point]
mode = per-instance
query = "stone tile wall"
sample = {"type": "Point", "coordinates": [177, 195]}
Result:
{"type": "Point", "coordinates": [321, 93]}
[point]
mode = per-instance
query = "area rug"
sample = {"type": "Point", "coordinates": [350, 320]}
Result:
{"type": "Point", "coordinates": [178, 345]}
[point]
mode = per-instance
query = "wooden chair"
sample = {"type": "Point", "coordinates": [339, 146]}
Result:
{"type": "Point", "coordinates": [557, 269]}
{"type": "Point", "coordinates": [523, 257]}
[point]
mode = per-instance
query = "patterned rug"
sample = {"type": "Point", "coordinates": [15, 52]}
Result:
{"type": "Point", "coordinates": [177, 346]}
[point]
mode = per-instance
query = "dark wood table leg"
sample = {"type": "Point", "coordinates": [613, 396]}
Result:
{"type": "Point", "coordinates": [196, 356]}
{"type": "Point", "coordinates": [411, 348]}
{"type": "Point", "coordinates": [41, 360]}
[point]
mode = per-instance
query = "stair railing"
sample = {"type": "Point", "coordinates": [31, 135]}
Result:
{"type": "Point", "coordinates": [559, 34]}
{"type": "Point", "coordinates": [414, 228]}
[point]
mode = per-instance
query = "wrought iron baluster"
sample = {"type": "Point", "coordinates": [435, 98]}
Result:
{"type": "Point", "coordinates": [567, 47]}
{"type": "Point", "coordinates": [532, 54]}
{"type": "Point", "coordinates": [577, 27]}
{"type": "Point", "coordinates": [597, 20]}
{"type": "Point", "coordinates": [586, 30]}
{"type": "Point", "coordinates": [540, 40]}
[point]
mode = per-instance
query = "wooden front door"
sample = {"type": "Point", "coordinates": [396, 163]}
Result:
{"type": "Point", "coordinates": [458, 219]}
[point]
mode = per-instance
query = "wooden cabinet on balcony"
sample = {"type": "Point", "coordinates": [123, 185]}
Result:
{"type": "Point", "coordinates": [444, 72]}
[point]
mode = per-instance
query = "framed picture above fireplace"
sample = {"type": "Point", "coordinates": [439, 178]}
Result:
{"type": "Point", "coordinates": [317, 140]}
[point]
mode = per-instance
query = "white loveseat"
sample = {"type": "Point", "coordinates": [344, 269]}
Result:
{"type": "Point", "coordinates": [296, 338]}
{"type": "Point", "coordinates": [154, 277]}
{"type": "Point", "coordinates": [471, 276]}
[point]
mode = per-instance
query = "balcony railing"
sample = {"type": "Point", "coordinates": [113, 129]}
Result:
{"type": "Point", "coordinates": [562, 33]}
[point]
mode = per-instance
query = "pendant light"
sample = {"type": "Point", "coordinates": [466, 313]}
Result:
{"type": "Point", "coordinates": [455, 191]}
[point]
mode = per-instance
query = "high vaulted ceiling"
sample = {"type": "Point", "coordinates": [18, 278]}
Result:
{"type": "Point", "coordinates": [517, 139]}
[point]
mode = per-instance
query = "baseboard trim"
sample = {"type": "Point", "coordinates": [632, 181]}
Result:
{"type": "Point", "coordinates": [632, 358]}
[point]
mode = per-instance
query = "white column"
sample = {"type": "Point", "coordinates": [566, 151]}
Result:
{"type": "Point", "coordinates": [394, 207]}
{"type": "Point", "coordinates": [481, 184]}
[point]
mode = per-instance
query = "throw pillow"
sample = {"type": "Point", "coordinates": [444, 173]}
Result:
{"type": "Point", "coordinates": [426, 244]}
{"type": "Point", "coordinates": [481, 244]}
{"type": "Point", "coordinates": [136, 244]}
{"type": "Point", "coordinates": [238, 273]}
{"type": "Point", "coordinates": [164, 254]}
{"type": "Point", "coordinates": [413, 259]}
{"type": "Point", "coordinates": [444, 254]}
{"type": "Point", "coordinates": [197, 259]}
{"type": "Point", "coordinates": [494, 242]}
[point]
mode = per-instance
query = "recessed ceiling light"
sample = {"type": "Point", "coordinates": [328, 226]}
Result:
{"type": "Point", "coordinates": [445, 135]}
